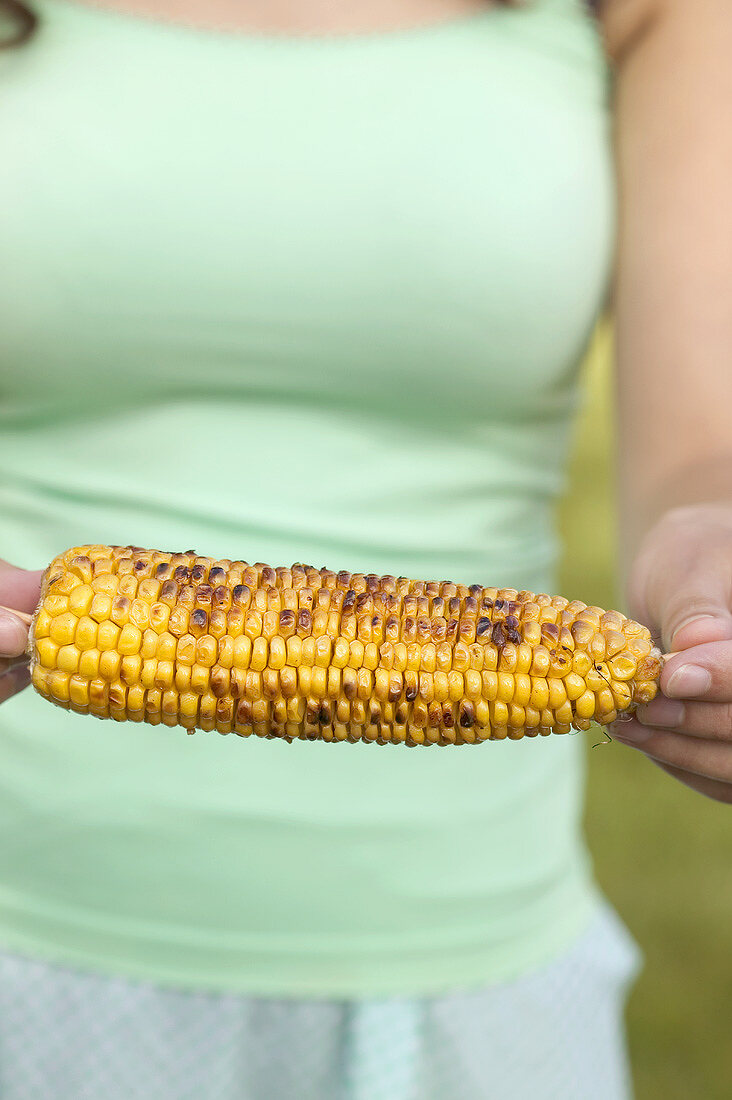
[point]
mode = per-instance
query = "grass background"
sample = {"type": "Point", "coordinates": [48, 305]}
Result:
{"type": "Point", "coordinates": [663, 854]}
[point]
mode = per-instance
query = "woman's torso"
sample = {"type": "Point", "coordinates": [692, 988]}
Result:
{"type": "Point", "coordinates": [316, 300]}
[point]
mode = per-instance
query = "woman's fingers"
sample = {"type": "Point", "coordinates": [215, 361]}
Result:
{"type": "Point", "coordinates": [8, 663]}
{"type": "Point", "coordinates": [712, 788]}
{"type": "Point", "coordinates": [19, 588]}
{"type": "Point", "coordinates": [710, 721]}
{"type": "Point", "coordinates": [702, 672]}
{"type": "Point", "coordinates": [711, 759]}
{"type": "Point", "coordinates": [14, 680]}
{"type": "Point", "coordinates": [13, 635]}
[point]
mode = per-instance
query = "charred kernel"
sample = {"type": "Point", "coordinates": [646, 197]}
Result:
{"type": "Point", "coordinates": [484, 628]}
{"type": "Point", "coordinates": [467, 715]}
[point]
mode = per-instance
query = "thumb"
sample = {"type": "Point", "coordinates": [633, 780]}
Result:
{"type": "Point", "coordinates": [696, 611]}
{"type": "Point", "coordinates": [19, 588]}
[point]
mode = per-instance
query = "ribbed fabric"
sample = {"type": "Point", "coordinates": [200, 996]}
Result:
{"type": "Point", "coordinates": [314, 300]}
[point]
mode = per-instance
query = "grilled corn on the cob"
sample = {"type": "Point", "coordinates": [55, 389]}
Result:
{"type": "Point", "coordinates": [147, 636]}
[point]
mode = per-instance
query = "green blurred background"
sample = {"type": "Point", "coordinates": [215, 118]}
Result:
{"type": "Point", "coordinates": [662, 853]}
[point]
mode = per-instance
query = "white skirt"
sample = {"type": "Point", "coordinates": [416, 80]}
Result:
{"type": "Point", "coordinates": [554, 1034]}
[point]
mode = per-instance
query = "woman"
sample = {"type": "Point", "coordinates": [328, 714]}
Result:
{"type": "Point", "coordinates": [299, 282]}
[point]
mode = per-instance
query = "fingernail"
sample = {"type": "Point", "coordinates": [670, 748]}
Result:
{"type": "Point", "coordinates": [667, 713]}
{"type": "Point", "coordinates": [689, 681]}
{"type": "Point", "coordinates": [12, 636]}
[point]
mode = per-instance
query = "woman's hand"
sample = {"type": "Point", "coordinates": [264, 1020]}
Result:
{"type": "Point", "coordinates": [19, 588]}
{"type": "Point", "coordinates": [681, 587]}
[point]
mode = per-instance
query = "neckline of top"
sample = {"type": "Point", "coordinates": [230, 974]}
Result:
{"type": "Point", "coordinates": [407, 34]}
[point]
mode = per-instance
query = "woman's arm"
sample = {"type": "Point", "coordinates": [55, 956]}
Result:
{"type": "Point", "coordinates": [673, 307]}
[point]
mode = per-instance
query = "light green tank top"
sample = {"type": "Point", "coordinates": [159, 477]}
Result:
{"type": "Point", "coordinates": [287, 300]}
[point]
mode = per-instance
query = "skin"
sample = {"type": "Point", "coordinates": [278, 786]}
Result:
{"type": "Point", "coordinates": [673, 317]}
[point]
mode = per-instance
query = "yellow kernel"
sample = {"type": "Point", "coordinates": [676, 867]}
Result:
{"type": "Point", "coordinates": [253, 624]}
{"type": "Point", "coordinates": [604, 702]}
{"type": "Point", "coordinates": [107, 635]}
{"type": "Point", "coordinates": [319, 682]}
{"type": "Point", "coordinates": [147, 673]}
{"type": "Point", "coordinates": [130, 640]}
{"type": "Point", "coordinates": [355, 657]}
{"type": "Point", "coordinates": [499, 714]}
{"type": "Point", "coordinates": [429, 657]}
{"type": "Point", "coordinates": [47, 652]}
{"type": "Point", "coordinates": [242, 651]}
{"type": "Point", "coordinates": [226, 651]}
{"type": "Point", "coordinates": [167, 647]}
{"type": "Point", "coordinates": [574, 685]}
{"type": "Point", "coordinates": [79, 691]}
{"type": "Point", "coordinates": [67, 584]}
{"type": "Point", "coordinates": [164, 674]}
{"type": "Point", "coordinates": [455, 686]}
{"type": "Point", "coordinates": [509, 657]}
{"type": "Point", "coordinates": [159, 616]}
{"type": "Point", "coordinates": [55, 603]}
{"type": "Point", "coordinates": [149, 589]}
{"type": "Point", "coordinates": [304, 677]}
{"type": "Point", "coordinates": [182, 676]}
{"type": "Point", "coordinates": [333, 689]}
{"type": "Point", "coordinates": [563, 715]}
{"type": "Point", "coordinates": [89, 663]}
{"type": "Point", "coordinates": [473, 684]}
{"type": "Point", "coordinates": [101, 607]}
{"type": "Point", "coordinates": [540, 696]}
{"type": "Point", "coordinates": [441, 686]}
{"type": "Point", "coordinates": [614, 642]}
{"type": "Point", "coordinates": [140, 614]}
{"type": "Point", "coordinates": [490, 657]}
{"type": "Point", "coordinates": [258, 660]}
{"type": "Point", "coordinates": [622, 694]}
{"type": "Point", "coordinates": [200, 678]}
{"type": "Point", "coordinates": [585, 706]}
{"type": "Point", "coordinates": [622, 667]}
{"type": "Point", "coordinates": [460, 657]}
{"type": "Point", "coordinates": [135, 698]}
{"type": "Point", "coordinates": [581, 663]}
{"type": "Point", "coordinates": [109, 664]}
{"type": "Point", "coordinates": [277, 652]}
{"type": "Point", "coordinates": [645, 691]}
{"type": "Point", "coordinates": [506, 687]}
{"type": "Point", "coordinates": [130, 669]}
{"type": "Point", "coordinates": [43, 624]}
{"type": "Point", "coordinates": [558, 692]}
{"type": "Point", "coordinates": [524, 658]}
{"type": "Point", "coordinates": [516, 716]}
{"type": "Point", "coordinates": [63, 628]}
{"type": "Point", "coordinates": [522, 689]}
{"type": "Point", "coordinates": [105, 584]}
{"type": "Point", "coordinates": [179, 621]}
{"type": "Point", "coordinates": [370, 655]}
{"type": "Point", "coordinates": [58, 686]}
{"type": "Point", "coordinates": [540, 662]}
{"type": "Point", "coordinates": [188, 704]}
{"type": "Point", "coordinates": [490, 685]}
